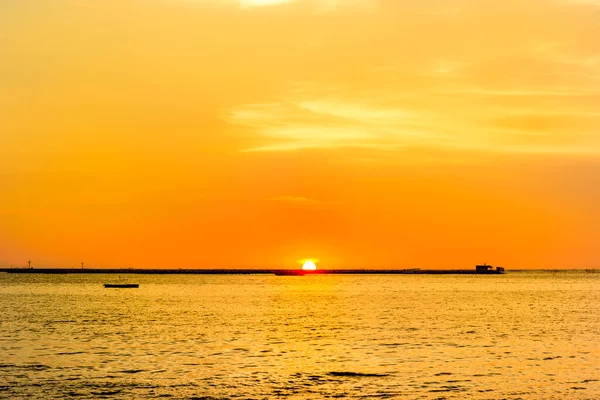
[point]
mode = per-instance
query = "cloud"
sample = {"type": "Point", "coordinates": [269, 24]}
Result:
{"type": "Point", "coordinates": [458, 119]}
{"type": "Point", "coordinates": [402, 75]}
{"type": "Point", "coordinates": [356, 112]}
{"type": "Point", "coordinates": [325, 123]}
{"type": "Point", "coordinates": [298, 137]}
{"type": "Point", "coordinates": [458, 85]}
{"type": "Point", "coordinates": [525, 92]}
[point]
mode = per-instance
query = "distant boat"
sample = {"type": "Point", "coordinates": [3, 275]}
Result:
{"type": "Point", "coordinates": [488, 269]}
{"type": "Point", "coordinates": [122, 285]}
{"type": "Point", "coordinates": [289, 272]}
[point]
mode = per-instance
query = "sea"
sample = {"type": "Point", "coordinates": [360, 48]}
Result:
{"type": "Point", "coordinates": [522, 335]}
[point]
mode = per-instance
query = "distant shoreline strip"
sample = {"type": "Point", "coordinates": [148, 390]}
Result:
{"type": "Point", "coordinates": [248, 271]}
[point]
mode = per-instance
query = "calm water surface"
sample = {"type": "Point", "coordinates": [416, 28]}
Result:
{"type": "Point", "coordinates": [523, 335]}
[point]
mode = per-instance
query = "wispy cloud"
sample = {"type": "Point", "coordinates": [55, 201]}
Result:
{"type": "Point", "coordinates": [350, 79]}
{"type": "Point", "coordinates": [326, 123]}
{"type": "Point", "coordinates": [298, 137]}
{"type": "Point", "coordinates": [524, 92]}
{"type": "Point", "coordinates": [361, 113]}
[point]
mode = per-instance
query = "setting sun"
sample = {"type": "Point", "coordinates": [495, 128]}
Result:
{"type": "Point", "coordinates": [309, 265]}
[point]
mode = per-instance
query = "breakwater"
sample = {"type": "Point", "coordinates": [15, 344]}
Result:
{"type": "Point", "coordinates": [154, 271]}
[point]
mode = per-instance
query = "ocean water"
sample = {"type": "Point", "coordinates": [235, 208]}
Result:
{"type": "Point", "coordinates": [523, 335]}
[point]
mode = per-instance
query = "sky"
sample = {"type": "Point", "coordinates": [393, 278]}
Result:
{"type": "Point", "coordinates": [255, 133]}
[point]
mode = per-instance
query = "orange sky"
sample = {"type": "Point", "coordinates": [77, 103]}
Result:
{"type": "Point", "coordinates": [254, 133]}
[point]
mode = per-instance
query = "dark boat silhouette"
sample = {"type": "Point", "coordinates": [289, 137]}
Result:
{"type": "Point", "coordinates": [122, 285]}
{"type": "Point", "coordinates": [488, 269]}
{"type": "Point", "coordinates": [289, 272]}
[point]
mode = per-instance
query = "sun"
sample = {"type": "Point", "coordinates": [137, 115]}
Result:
{"type": "Point", "coordinates": [309, 265]}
